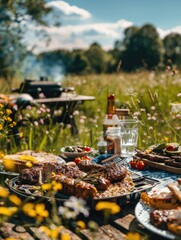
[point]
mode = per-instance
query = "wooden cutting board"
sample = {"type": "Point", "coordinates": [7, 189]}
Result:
{"type": "Point", "coordinates": [161, 166]}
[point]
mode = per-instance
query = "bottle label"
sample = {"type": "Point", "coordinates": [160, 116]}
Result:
{"type": "Point", "coordinates": [110, 147]}
{"type": "Point", "coordinates": [105, 128]}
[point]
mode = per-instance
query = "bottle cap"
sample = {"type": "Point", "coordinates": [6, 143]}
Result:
{"type": "Point", "coordinates": [111, 96]}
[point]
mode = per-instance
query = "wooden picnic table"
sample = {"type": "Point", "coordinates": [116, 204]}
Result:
{"type": "Point", "coordinates": [69, 103]}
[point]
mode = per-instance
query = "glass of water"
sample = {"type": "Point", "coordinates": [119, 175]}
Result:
{"type": "Point", "coordinates": [128, 136]}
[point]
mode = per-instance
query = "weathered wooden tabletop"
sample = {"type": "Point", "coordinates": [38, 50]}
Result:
{"type": "Point", "coordinates": [116, 229]}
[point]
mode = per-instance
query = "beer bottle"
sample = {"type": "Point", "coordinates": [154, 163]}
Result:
{"type": "Point", "coordinates": [111, 119]}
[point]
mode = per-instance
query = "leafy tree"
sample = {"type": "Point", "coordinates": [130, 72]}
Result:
{"type": "Point", "coordinates": [142, 48]}
{"type": "Point", "coordinates": [80, 63]}
{"type": "Point", "coordinates": [15, 15]}
{"type": "Point", "coordinates": [172, 46]}
{"type": "Point", "coordinates": [96, 57]}
{"type": "Point", "coordinates": [114, 63]}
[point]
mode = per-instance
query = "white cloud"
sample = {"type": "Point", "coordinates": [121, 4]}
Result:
{"type": "Point", "coordinates": [124, 23]}
{"type": "Point", "coordinates": [164, 33]}
{"type": "Point", "coordinates": [68, 9]}
{"type": "Point", "coordinates": [81, 36]}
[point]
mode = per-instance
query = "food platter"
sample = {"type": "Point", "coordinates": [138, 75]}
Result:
{"type": "Point", "coordinates": [142, 213]}
{"type": "Point", "coordinates": [161, 166]}
{"type": "Point", "coordinates": [141, 184]}
{"type": "Point", "coordinates": [160, 157]}
{"type": "Point", "coordinates": [75, 154]}
{"type": "Point", "coordinates": [26, 191]}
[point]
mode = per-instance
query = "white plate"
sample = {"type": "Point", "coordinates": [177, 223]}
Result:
{"type": "Point", "coordinates": [142, 213]}
{"type": "Point", "coordinates": [74, 154]}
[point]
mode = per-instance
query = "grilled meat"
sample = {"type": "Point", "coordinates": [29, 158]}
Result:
{"type": "Point", "coordinates": [31, 176]}
{"type": "Point", "coordinates": [112, 172]}
{"type": "Point", "coordinates": [155, 157]}
{"type": "Point", "coordinates": [167, 220]}
{"type": "Point", "coordinates": [69, 171]}
{"type": "Point", "coordinates": [99, 182]}
{"type": "Point", "coordinates": [77, 188]}
{"type": "Point", "coordinates": [115, 173]}
{"type": "Point", "coordinates": [87, 166]}
{"type": "Point", "coordinates": [159, 218]}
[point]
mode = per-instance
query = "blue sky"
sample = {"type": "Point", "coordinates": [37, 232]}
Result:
{"type": "Point", "coordinates": [104, 21]}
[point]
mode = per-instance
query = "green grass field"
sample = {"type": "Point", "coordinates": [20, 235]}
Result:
{"type": "Point", "coordinates": [148, 95]}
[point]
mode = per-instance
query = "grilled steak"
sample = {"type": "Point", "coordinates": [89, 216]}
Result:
{"type": "Point", "coordinates": [99, 182]}
{"type": "Point", "coordinates": [87, 166]}
{"type": "Point", "coordinates": [115, 173]}
{"type": "Point", "coordinates": [112, 171]}
{"type": "Point", "coordinates": [69, 171]}
{"type": "Point", "coordinates": [31, 176]}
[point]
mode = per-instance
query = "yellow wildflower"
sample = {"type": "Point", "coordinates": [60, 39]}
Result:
{"type": "Point", "coordinates": [9, 164]}
{"type": "Point", "coordinates": [65, 236]}
{"type": "Point", "coordinates": [41, 210]}
{"type": "Point", "coordinates": [28, 164]}
{"type": "Point", "coordinates": [3, 192]}
{"type": "Point", "coordinates": [53, 174]}
{"type": "Point", "coordinates": [8, 211]}
{"type": "Point", "coordinates": [9, 119]}
{"type": "Point", "coordinates": [56, 186]}
{"type": "Point", "coordinates": [15, 199]}
{"type": "Point", "coordinates": [27, 158]}
{"type": "Point", "coordinates": [10, 238]}
{"type": "Point", "coordinates": [111, 206]}
{"type": "Point", "coordinates": [81, 224]}
{"type": "Point", "coordinates": [8, 111]}
{"type": "Point", "coordinates": [1, 127]}
{"type": "Point", "coordinates": [46, 186]}
{"type": "Point", "coordinates": [133, 236]}
{"type": "Point", "coordinates": [166, 139]}
{"type": "Point", "coordinates": [14, 123]}
{"type": "Point", "coordinates": [45, 230]}
{"type": "Point", "coordinates": [52, 232]}
{"type": "Point", "coordinates": [29, 209]}
{"type": "Point", "coordinates": [21, 134]}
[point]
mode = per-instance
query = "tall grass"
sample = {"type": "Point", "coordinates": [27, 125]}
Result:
{"type": "Point", "coordinates": [148, 95]}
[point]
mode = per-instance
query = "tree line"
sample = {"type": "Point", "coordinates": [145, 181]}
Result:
{"type": "Point", "coordinates": [141, 48]}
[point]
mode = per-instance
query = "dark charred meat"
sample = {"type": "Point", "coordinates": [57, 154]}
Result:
{"type": "Point", "coordinates": [112, 172]}
{"type": "Point", "coordinates": [77, 188]}
{"type": "Point", "coordinates": [115, 173]}
{"type": "Point", "coordinates": [34, 175]}
{"type": "Point", "coordinates": [99, 182]}
{"type": "Point", "coordinates": [69, 171]}
{"type": "Point", "coordinates": [31, 176]}
{"type": "Point", "coordinates": [159, 218]}
{"type": "Point", "coordinates": [87, 166]}
{"type": "Point", "coordinates": [154, 157]}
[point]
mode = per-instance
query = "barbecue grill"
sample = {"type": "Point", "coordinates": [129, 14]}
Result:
{"type": "Point", "coordinates": [42, 87]}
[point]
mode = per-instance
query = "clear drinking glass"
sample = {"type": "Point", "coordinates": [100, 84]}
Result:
{"type": "Point", "coordinates": [129, 136]}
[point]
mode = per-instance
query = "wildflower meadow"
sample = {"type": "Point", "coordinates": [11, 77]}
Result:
{"type": "Point", "coordinates": [152, 97]}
